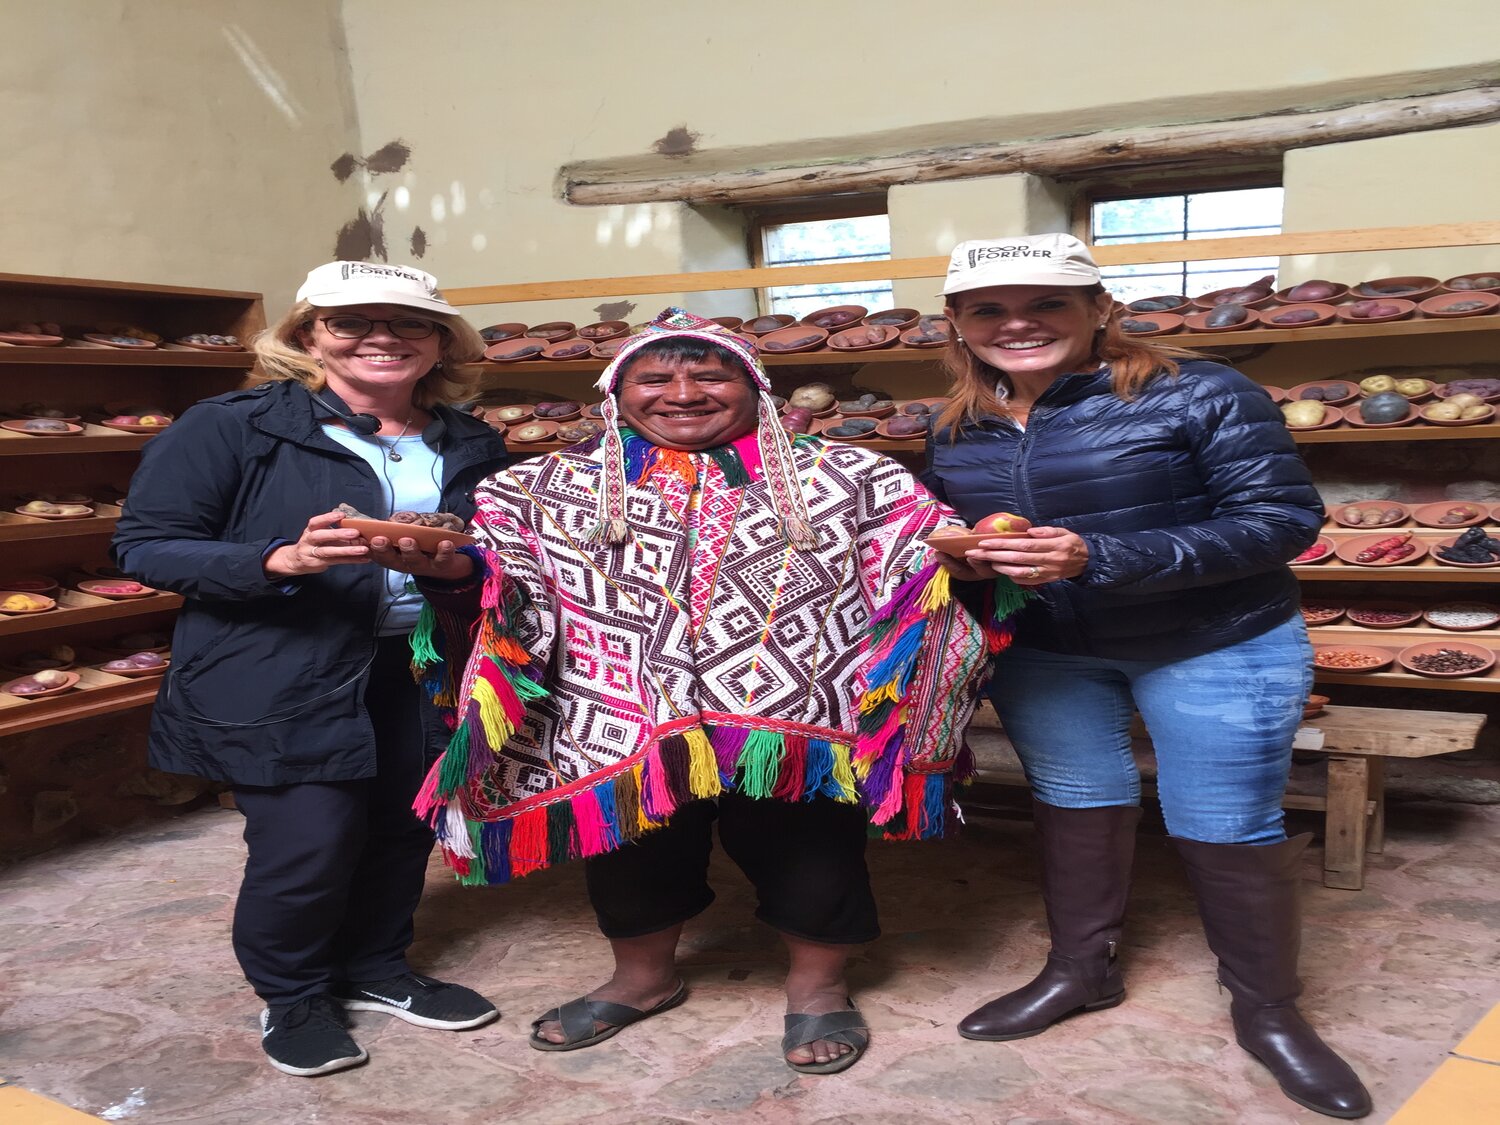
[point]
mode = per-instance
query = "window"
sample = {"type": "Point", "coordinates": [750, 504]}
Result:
{"type": "Point", "coordinates": [792, 240]}
{"type": "Point", "coordinates": [1175, 218]}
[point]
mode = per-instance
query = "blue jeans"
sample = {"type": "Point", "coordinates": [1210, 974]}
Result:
{"type": "Point", "coordinates": [1222, 724]}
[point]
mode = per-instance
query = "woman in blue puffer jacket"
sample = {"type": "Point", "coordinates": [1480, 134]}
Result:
{"type": "Point", "coordinates": [1166, 498]}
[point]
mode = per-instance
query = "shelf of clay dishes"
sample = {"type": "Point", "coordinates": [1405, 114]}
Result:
{"type": "Point", "coordinates": [77, 608]}
{"type": "Point", "coordinates": [94, 439]}
{"type": "Point", "coordinates": [81, 353]}
{"type": "Point", "coordinates": [1417, 431]}
{"type": "Point", "coordinates": [1393, 641]}
{"type": "Point", "coordinates": [1425, 569]}
{"type": "Point", "coordinates": [884, 445]}
{"type": "Point", "coordinates": [97, 693]}
{"type": "Point", "coordinates": [15, 527]}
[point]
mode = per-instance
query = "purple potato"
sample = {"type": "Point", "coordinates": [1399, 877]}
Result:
{"type": "Point", "coordinates": [1365, 310]}
{"type": "Point", "coordinates": [1226, 315]}
{"type": "Point", "coordinates": [792, 344]}
{"type": "Point", "coordinates": [145, 660]}
{"type": "Point", "coordinates": [763, 324]}
{"type": "Point", "coordinates": [892, 320]}
{"type": "Point", "coordinates": [571, 350]}
{"type": "Point", "coordinates": [1312, 291]}
{"type": "Point", "coordinates": [907, 425]}
{"type": "Point", "coordinates": [1133, 326]}
{"type": "Point", "coordinates": [1156, 304]}
{"type": "Point", "coordinates": [1313, 394]}
{"type": "Point", "coordinates": [916, 408]}
{"type": "Point", "coordinates": [1295, 316]}
{"type": "Point", "coordinates": [1252, 292]}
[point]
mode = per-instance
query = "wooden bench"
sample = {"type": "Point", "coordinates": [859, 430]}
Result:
{"type": "Point", "coordinates": [1355, 741]}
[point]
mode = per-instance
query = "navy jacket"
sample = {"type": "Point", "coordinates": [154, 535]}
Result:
{"type": "Point", "coordinates": [1191, 498]}
{"type": "Point", "coordinates": [267, 679]}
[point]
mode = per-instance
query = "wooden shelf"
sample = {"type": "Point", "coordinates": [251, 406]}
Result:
{"type": "Point", "coordinates": [1393, 641]}
{"type": "Point", "coordinates": [1418, 431]}
{"type": "Point", "coordinates": [101, 355]}
{"type": "Point", "coordinates": [15, 527]}
{"type": "Point", "coordinates": [94, 439]}
{"type": "Point", "coordinates": [74, 608]}
{"type": "Point", "coordinates": [98, 693]}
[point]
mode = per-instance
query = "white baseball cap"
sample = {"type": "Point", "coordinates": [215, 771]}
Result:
{"type": "Point", "coordinates": [338, 284]}
{"type": "Point", "coordinates": [1034, 259]}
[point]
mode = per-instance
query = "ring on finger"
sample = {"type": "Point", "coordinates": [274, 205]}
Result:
{"type": "Point", "coordinates": [1034, 572]}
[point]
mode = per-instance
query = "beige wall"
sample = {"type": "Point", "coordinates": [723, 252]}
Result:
{"type": "Point", "coordinates": [173, 141]}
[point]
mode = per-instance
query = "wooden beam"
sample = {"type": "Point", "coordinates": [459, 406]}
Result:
{"type": "Point", "coordinates": [1123, 253]}
{"type": "Point", "coordinates": [1206, 142]}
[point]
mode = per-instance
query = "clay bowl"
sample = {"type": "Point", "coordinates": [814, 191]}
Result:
{"type": "Point", "coordinates": [532, 432]}
{"type": "Point", "coordinates": [517, 412]}
{"type": "Point", "coordinates": [883, 409]}
{"type": "Point", "coordinates": [899, 319]}
{"type": "Point", "coordinates": [775, 343]}
{"type": "Point", "coordinates": [67, 685]}
{"type": "Point", "coordinates": [1379, 658]}
{"type": "Point", "coordinates": [919, 435]}
{"type": "Point", "coordinates": [866, 426]}
{"type": "Point", "coordinates": [29, 584]}
{"type": "Point", "coordinates": [1328, 546]}
{"type": "Point", "coordinates": [31, 339]}
{"type": "Point", "coordinates": [1324, 315]}
{"type": "Point", "coordinates": [514, 350]}
{"type": "Point", "coordinates": [1198, 322]}
{"type": "Point", "coordinates": [105, 588]}
{"type": "Point", "coordinates": [1332, 416]}
{"type": "Point", "coordinates": [1314, 706]}
{"type": "Point", "coordinates": [1478, 419]}
{"type": "Point", "coordinates": [835, 318]}
{"type": "Point", "coordinates": [498, 427]}
{"type": "Point", "coordinates": [22, 426]}
{"type": "Point", "coordinates": [1209, 302]}
{"type": "Point", "coordinates": [40, 603]}
{"type": "Point", "coordinates": [608, 349]}
{"type": "Point", "coordinates": [1417, 287]}
{"type": "Point", "coordinates": [1294, 394]}
{"type": "Point", "coordinates": [1320, 614]}
{"type": "Point", "coordinates": [1284, 296]}
{"type": "Point", "coordinates": [1351, 415]}
{"type": "Point", "coordinates": [128, 428]}
{"type": "Point", "coordinates": [109, 339]}
{"type": "Point", "coordinates": [207, 346]}
{"type": "Point", "coordinates": [826, 412]}
{"type": "Point", "coordinates": [1180, 304]}
{"type": "Point", "coordinates": [1434, 616]}
{"type": "Point", "coordinates": [1435, 306]}
{"type": "Point", "coordinates": [1404, 309]}
{"type": "Point", "coordinates": [132, 672]}
{"type": "Point", "coordinates": [495, 333]}
{"type": "Point", "coordinates": [1493, 275]}
{"type": "Point", "coordinates": [909, 337]}
{"type": "Point", "coordinates": [579, 430]}
{"type": "Point", "coordinates": [888, 336]}
{"type": "Point", "coordinates": [1337, 513]}
{"type": "Point", "coordinates": [1448, 542]}
{"type": "Point", "coordinates": [1410, 613]}
{"type": "Point", "coordinates": [604, 330]}
{"type": "Point", "coordinates": [758, 326]}
{"type": "Point", "coordinates": [1277, 394]}
{"type": "Point", "coordinates": [426, 538]}
{"type": "Point", "coordinates": [1443, 390]}
{"type": "Point", "coordinates": [88, 515]}
{"type": "Point", "coordinates": [960, 541]}
{"type": "Point", "coordinates": [1166, 323]}
{"type": "Point", "coordinates": [570, 348]}
{"type": "Point", "coordinates": [540, 414]}
{"type": "Point", "coordinates": [552, 331]}
{"type": "Point", "coordinates": [1430, 515]}
{"type": "Point", "coordinates": [732, 323]}
{"type": "Point", "coordinates": [1350, 548]}
{"type": "Point", "coordinates": [1427, 648]}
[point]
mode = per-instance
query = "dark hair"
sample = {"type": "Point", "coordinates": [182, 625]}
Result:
{"type": "Point", "coordinates": [683, 349]}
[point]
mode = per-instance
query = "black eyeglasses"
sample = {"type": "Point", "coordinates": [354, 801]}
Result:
{"type": "Point", "coordinates": [353, 327]}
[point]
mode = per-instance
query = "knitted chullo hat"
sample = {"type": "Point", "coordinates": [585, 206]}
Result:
{"type": "Point", "coordinates": [775, 442]}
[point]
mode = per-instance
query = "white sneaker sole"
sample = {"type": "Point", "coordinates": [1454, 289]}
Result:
{"type": "Point", "coordinates": [412, 1018]}
{"type": "Point", "coordinates": [311, 1071]}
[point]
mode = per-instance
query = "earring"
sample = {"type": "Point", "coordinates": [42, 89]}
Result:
{"type": "Point", "coordinates": [318, 361]}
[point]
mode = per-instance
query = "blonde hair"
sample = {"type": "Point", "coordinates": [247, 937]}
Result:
{"type": "Point", "coordinates": [977, 388]}
{"type": "Point", "coordinates": [280, 357]}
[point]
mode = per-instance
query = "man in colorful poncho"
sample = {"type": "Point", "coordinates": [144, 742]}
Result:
{"type": "Point", "coordinates": [696, 616]}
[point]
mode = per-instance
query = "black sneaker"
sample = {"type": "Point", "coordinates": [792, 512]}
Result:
{"type": "Point", "coordinates": [308, 1038]}
{"type": "Point", "coordinates": [419, 1000]}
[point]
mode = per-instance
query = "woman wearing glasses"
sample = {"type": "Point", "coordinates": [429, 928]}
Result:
{"type": "Point", "coordinates": [289, 676]}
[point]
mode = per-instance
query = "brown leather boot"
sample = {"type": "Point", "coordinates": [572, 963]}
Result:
{"type": "Point", "coordinates": [1247, 897]}
{"type": "Point", "coordinates": [1086, 857]}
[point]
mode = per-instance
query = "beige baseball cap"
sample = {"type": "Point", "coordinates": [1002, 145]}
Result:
{"type": "Point", "coordinates": [339, 284]}
{"type": "Point", "coordinates": [1034, 259]}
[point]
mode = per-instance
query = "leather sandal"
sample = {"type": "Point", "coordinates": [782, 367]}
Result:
{"type": "Point", "coordinates": [578, 1017]}
{"type": "Point", "coordinates": [846, 1027]}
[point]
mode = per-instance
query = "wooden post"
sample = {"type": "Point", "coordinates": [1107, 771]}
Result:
{"type": "Point", "coordinates": [1344, 828]}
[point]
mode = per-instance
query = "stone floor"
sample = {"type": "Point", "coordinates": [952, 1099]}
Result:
{"type": "Point", "coordinates": [119, 996]}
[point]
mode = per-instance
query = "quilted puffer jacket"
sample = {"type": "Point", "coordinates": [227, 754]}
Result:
{"type": "Point", "coordinates": [1191, 498]}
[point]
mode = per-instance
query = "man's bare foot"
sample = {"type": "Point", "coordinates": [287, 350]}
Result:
{"type": "Point", "coordinates": [817, 1002]}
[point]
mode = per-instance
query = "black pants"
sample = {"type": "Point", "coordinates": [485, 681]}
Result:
{"type": "Point", "coordinates": [335, 869]}
{"type": "Point", "coordinates": [806, 860]}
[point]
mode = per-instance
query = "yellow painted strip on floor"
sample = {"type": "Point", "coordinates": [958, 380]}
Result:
{"type": "Point", "coordinates": [1460, 1092]}
{"type": "Point", "coordinates": [22, 1107]}
{"type": "Point", "coordinates": [1483, 1042]}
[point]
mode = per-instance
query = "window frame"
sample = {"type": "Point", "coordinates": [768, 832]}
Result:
{"type": "Point", "coordinates": [758, 219]}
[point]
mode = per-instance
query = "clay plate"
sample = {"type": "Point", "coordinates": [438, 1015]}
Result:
{"type": "Point", "coordinates": [568, 417]}
{"type": "Point", "coordinates": [1314, 706]}
{"type": "Point", "coordinates": [1206, 301]}
{"type": "Point", "coordinates": [876, 412]}
{"type": "Point", "coordinates": [837, 420]}
{"type": "Point", "coordinates": [19, 426]}
{"type": "Point", "coordinates": [1335, 511]}
{"type": "Point", "coordinates": [1293, 394]}
{"type": "Point", "coordinates": [1422, 287]}
{"type": "Point", "coordinates": [496, 333]}
{"type": "Point", "coordinates": [888, 336]}
{"type": "Point", "coordinates": [1448, 285]}
{"type": "Point", "coordinates": [31, 339]}
{"type": "Point", "coordinates": [574, 347]}
{"type": "Point", "coordinates": [1385, 657]}
{"type": "Point", "coordinates": [549, 427]}
{"type": "Point", "coordinates": [186, 343]}
{"type": "Point", "coordinates": [112, 341]}
{"type": "Point", "coordinates": [72, 681]}
{"type": "Point", "coordinates": [1468, 647]}
{"type": "Point", "coordinates": [1437, 558]}
{"type": "Point", "coordinates": [1427, 514]}
{"type": "Point", "coordinates": [884, 430]}
{"type": "Point", "coordinates": [908, 342]}
{"type": "Point", "coordinates": [613, 330]}
{"type": "Point", "coordinates": [92, 586]}
{"type": "Point", "coordinates": [134, 673]}
{"type": "Point", "coordinates": [552, 331]}
{"type": "Point", "coordinates": [507, 351]}
{"type": "Point", "coordinates": [956, 545]}
{"type": "Point", "coordinates": [1166, 323]}
{"type": "Point", "coordinates": [88, 515]}
{"type": "Point", "coordinates": [508, 415]}
{"type": "Point", "coordinates": [49, 603]}
{"type": "Point", "coordinates": [1434, 306]}
{"type": "Point", "coordinates": [1351, 415]}
{"type": "Point", "coordinates": [1184, 305]}
{"type": "Point", "coordinates": [1278, 394]}
{"type": "Point", "coordinates": [1323, 558]}
{"type": "Point", "coordinates": [1197, 322]}
{"type": "Point", "coordinates": [29, 584]}
{"type": "Point", "coordinates": [1411, 612]}
{"type": "Point", "coordinates": [607, 349]}
{"type": "Point", "coordinates": [133, 429]}
{"type": "Point", "coordinates": [1349, 548]}
{"type": "Point", "coordinates": [732, 323]}
{"type": "Point", "coordinates": [1491, 623]}
{"type": "Point", "coordinates": [783, 320]}
{"type": "Point", "coordinates": [1326, 313]}
{"type": "Point", "coordinates": [498, 427]}
{"type": "Point", "coordinates": [1478, 419]}
{"type": "Point", "coordinates": [853, 313]}
{"type": "Point", "coordinates": [827, 412]}
{"type": "Point", "coordinates": [1282, 296]}
{"type": "Point", "coordinates": [795, 332]}
{"type": "Point", "coordinates": [909, 318]}
{"type": "Point", "coordinates": [1332, 416]}
{"type": "Point", "coordinates": [427, 538]}
{"type": "Point", "coordinates": [1441, 391]}
{"type": "Point", "coordinates": [1406, 308]}
{"type": "Point", "coordinates": [1317, 614]}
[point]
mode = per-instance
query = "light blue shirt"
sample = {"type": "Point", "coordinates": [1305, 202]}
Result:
{"type": "Point", "coordinates": [410, 484]}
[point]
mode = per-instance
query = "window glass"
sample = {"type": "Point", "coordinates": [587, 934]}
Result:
{"type": "Point", "coordinates": [861, 238]}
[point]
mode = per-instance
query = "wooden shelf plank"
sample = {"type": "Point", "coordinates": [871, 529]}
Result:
{"type": "Point", "coordinates": [74, 705]}
{"type": "Point", "coordinates": [91, 356]}
{"type": "Point", "coordinates": [18, 528]}
{"type": "Point", "coordinates": [94, 439]}
{"type": "Point", "coordinates": [64, 616]}
{"type": "Point", "coordinates": [1486, 683]}
{"type": "Point", "coordinates": [1424, 571]}
{"type": "Point", "coordinates": [37, 285]}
